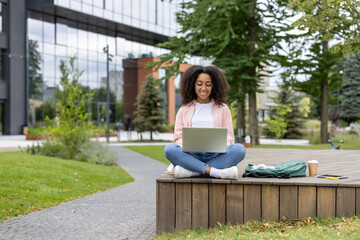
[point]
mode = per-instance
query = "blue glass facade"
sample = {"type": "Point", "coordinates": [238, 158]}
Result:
{"type": "Point", "coordinates": [36, 35]}
{"type": "Point", "coordinates": [56, 38]}
{"type": "Point", "coordinates": [153, 15]}
{"type": "Point", "coordinates": [1, 17]}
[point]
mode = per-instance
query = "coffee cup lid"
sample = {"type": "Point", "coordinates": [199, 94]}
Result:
{"type": "Point", "coordinates": [313, 161]}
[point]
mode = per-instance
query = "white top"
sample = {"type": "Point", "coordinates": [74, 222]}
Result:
{"type": "Point", "coordinates": [203, 115]}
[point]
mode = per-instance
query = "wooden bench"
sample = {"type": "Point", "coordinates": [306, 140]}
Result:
{"type": "Point", "coordinates": [193, 203]}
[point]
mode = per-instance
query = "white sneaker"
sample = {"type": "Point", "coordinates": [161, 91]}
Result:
{"type": "Point", "coordinates": [229, 173]}
{"type": "Point", "coordinates": [181, 172]}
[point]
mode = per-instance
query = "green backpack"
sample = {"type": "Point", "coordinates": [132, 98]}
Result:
{"type": "Point", "coordinates": [283, 170]}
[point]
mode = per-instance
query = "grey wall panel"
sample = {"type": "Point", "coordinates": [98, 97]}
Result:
{"type": "Point", "coordinates": [15, 106]}
{"type": "Point", "coordinates": [3, 90]}
{"type": "Point", "coordinates": [3, 41]}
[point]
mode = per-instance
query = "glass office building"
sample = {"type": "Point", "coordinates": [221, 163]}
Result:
{"type": "Point", "coordinates": [54, 30]}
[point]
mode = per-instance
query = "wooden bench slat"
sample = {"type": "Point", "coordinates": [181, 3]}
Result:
{"type": "Point", "coordinates": [183, 206]}
{"type": "Point", "coordinates": [216, 204]}
{"type": "Point", "coordinates": [288, 201]}
{"type": "Point", "coordinates": [307, 202]}
{"type": "Point", "coordinates": [252, 202]}
{"type": "Point", "coordinates": [165, 204]}
{"type": "Point", "coordinates": [270, 202]}
{"type": "Point", "coordinates": [200, 205]}
{"type": "Point", "coordinates": [234, 203]}
{"type": "Point", "coordinates": [325, 202]}
{"type": "Point", "coordinates": [357, 207]}
{"type": "Point", "coordinates": [345, 201]}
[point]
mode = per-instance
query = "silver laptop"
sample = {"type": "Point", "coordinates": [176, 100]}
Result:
{"type": "Point", "coordinates": [204, 139]}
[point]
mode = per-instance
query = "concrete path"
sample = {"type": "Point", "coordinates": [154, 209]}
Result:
{"type": "Point", "coordinates": [125, 212]}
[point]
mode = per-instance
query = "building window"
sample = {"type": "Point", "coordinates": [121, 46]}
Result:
{"type": "Point", "coordinates": [1, 17]}
{"type": "Point", "coordinates": [177, 93]}
{"type": "Point", "coordinates": [163, 91]}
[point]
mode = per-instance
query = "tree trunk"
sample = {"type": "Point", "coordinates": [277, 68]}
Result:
{"type": "Point", "coordinates": [253, 123]}
{"type": "Point", "coordinates": [240, 121]}
{"type": "Point", "coordinates": [324, 102]}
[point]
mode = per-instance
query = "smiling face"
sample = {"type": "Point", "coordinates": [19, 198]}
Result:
{"type": "Point", "coordinates": [203, 87]}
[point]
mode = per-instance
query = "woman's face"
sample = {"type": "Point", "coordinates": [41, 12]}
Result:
{"type": "Point", "coordinates": [203, 87]}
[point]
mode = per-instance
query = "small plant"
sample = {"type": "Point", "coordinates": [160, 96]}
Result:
{"type": "Point", "coordinates": [38, 131]}
{"type": "Point", "coordinates": [95, 152]}
{"type": "Point", "coordinates": [71, 130]}
{"type": "Point", "coordinates": [352, 132]}
{"type": "Point", "coordinates": [34, 149]}
{"type": "Point", "coordinates": [277, 125]}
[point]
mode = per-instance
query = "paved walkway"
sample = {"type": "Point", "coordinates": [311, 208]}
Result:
{"type": "Point", "coordinates": [124, 212]}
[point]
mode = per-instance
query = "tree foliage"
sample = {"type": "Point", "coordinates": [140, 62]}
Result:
{"type": "Point", "coordinates": [304, 107]}
{"type": "Point", "coordinates": [149, 116]}
{"type": "Point", "coordinates": [34, 75]}
{"type": "Point", "coordinates": [350, 103]}
{"type": "Point", "coordinates": [277, 124]}
{"type": "Point", "coordinates": [71, 132]}
{"type": "Point", "coordinates": [285, 114]}
{"type": "Point", "coordinates": [238, 36]}
{"type": "Point", "coordinates": [333, 19]}
{"type": "Point", "coordinates": [321, 65]}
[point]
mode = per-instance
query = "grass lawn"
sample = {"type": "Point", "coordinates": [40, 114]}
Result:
{"type": "Point", "coordinates": [32, 182]}
{"type": "Point", "coordinates": [152, 151]}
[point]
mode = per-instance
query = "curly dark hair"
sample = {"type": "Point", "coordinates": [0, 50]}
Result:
{"type": "Point", "coordinates": [187, 84]}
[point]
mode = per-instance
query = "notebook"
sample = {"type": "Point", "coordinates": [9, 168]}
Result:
{"type": "Point", "coordinates": [204, 139]}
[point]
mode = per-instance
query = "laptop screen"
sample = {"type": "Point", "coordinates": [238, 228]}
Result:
{"type": "Point", "coordinates": [204, 139]}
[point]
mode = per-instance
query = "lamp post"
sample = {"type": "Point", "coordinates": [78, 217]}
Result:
{"type": "Point", "coordinates": [108, 59]}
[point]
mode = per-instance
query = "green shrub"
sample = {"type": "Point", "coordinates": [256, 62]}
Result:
{"type": "Point", "coordinates": [315, 139]}
{"type": "Point", "coordinates": [39, 131]}
{"type": "Point", "coordinates": [71, 128]}
{"type": "Point", "coordinates": [95, 152]}
{"type": "Point", "coordinates": [352, 132]}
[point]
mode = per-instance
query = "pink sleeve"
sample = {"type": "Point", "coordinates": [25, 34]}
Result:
{"type": "Point", "coordinates": [227, 121]}
{"type": "Point", "coordinates": [179, 123]}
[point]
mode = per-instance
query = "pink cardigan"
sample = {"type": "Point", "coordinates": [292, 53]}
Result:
{"type": "Point", "coordinates": [221, 115]}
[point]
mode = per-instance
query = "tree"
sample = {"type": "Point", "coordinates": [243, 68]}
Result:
{"type": "Point", "coordinates": [277, 124]}
{"type": "Point", "coordinates": [323, 23]}
{"type": "Point", "coordinates": [323, 69]}
{"type": "Point", "coordinates": [149, 116]}
{"type": "Point", "coordinates": [236, 37]}
{"type": "Point", "coordinates": [35, 77]}
{"type": "Point", "coordinates": [72, 131]}
{"type": "Point", "coordinates": [350, 103]}
{"type": "Point", "coordinates": [285, 114]}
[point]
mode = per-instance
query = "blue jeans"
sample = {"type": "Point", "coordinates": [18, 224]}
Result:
{"type": "Point", "coordinates": [198, 162]}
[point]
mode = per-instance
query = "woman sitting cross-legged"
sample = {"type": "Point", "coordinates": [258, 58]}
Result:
{"type": "Point", "coordinates": [204, 92]}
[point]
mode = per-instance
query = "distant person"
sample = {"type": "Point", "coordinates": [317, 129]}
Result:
{"type": "Point", "coordinates": [204, 93]}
